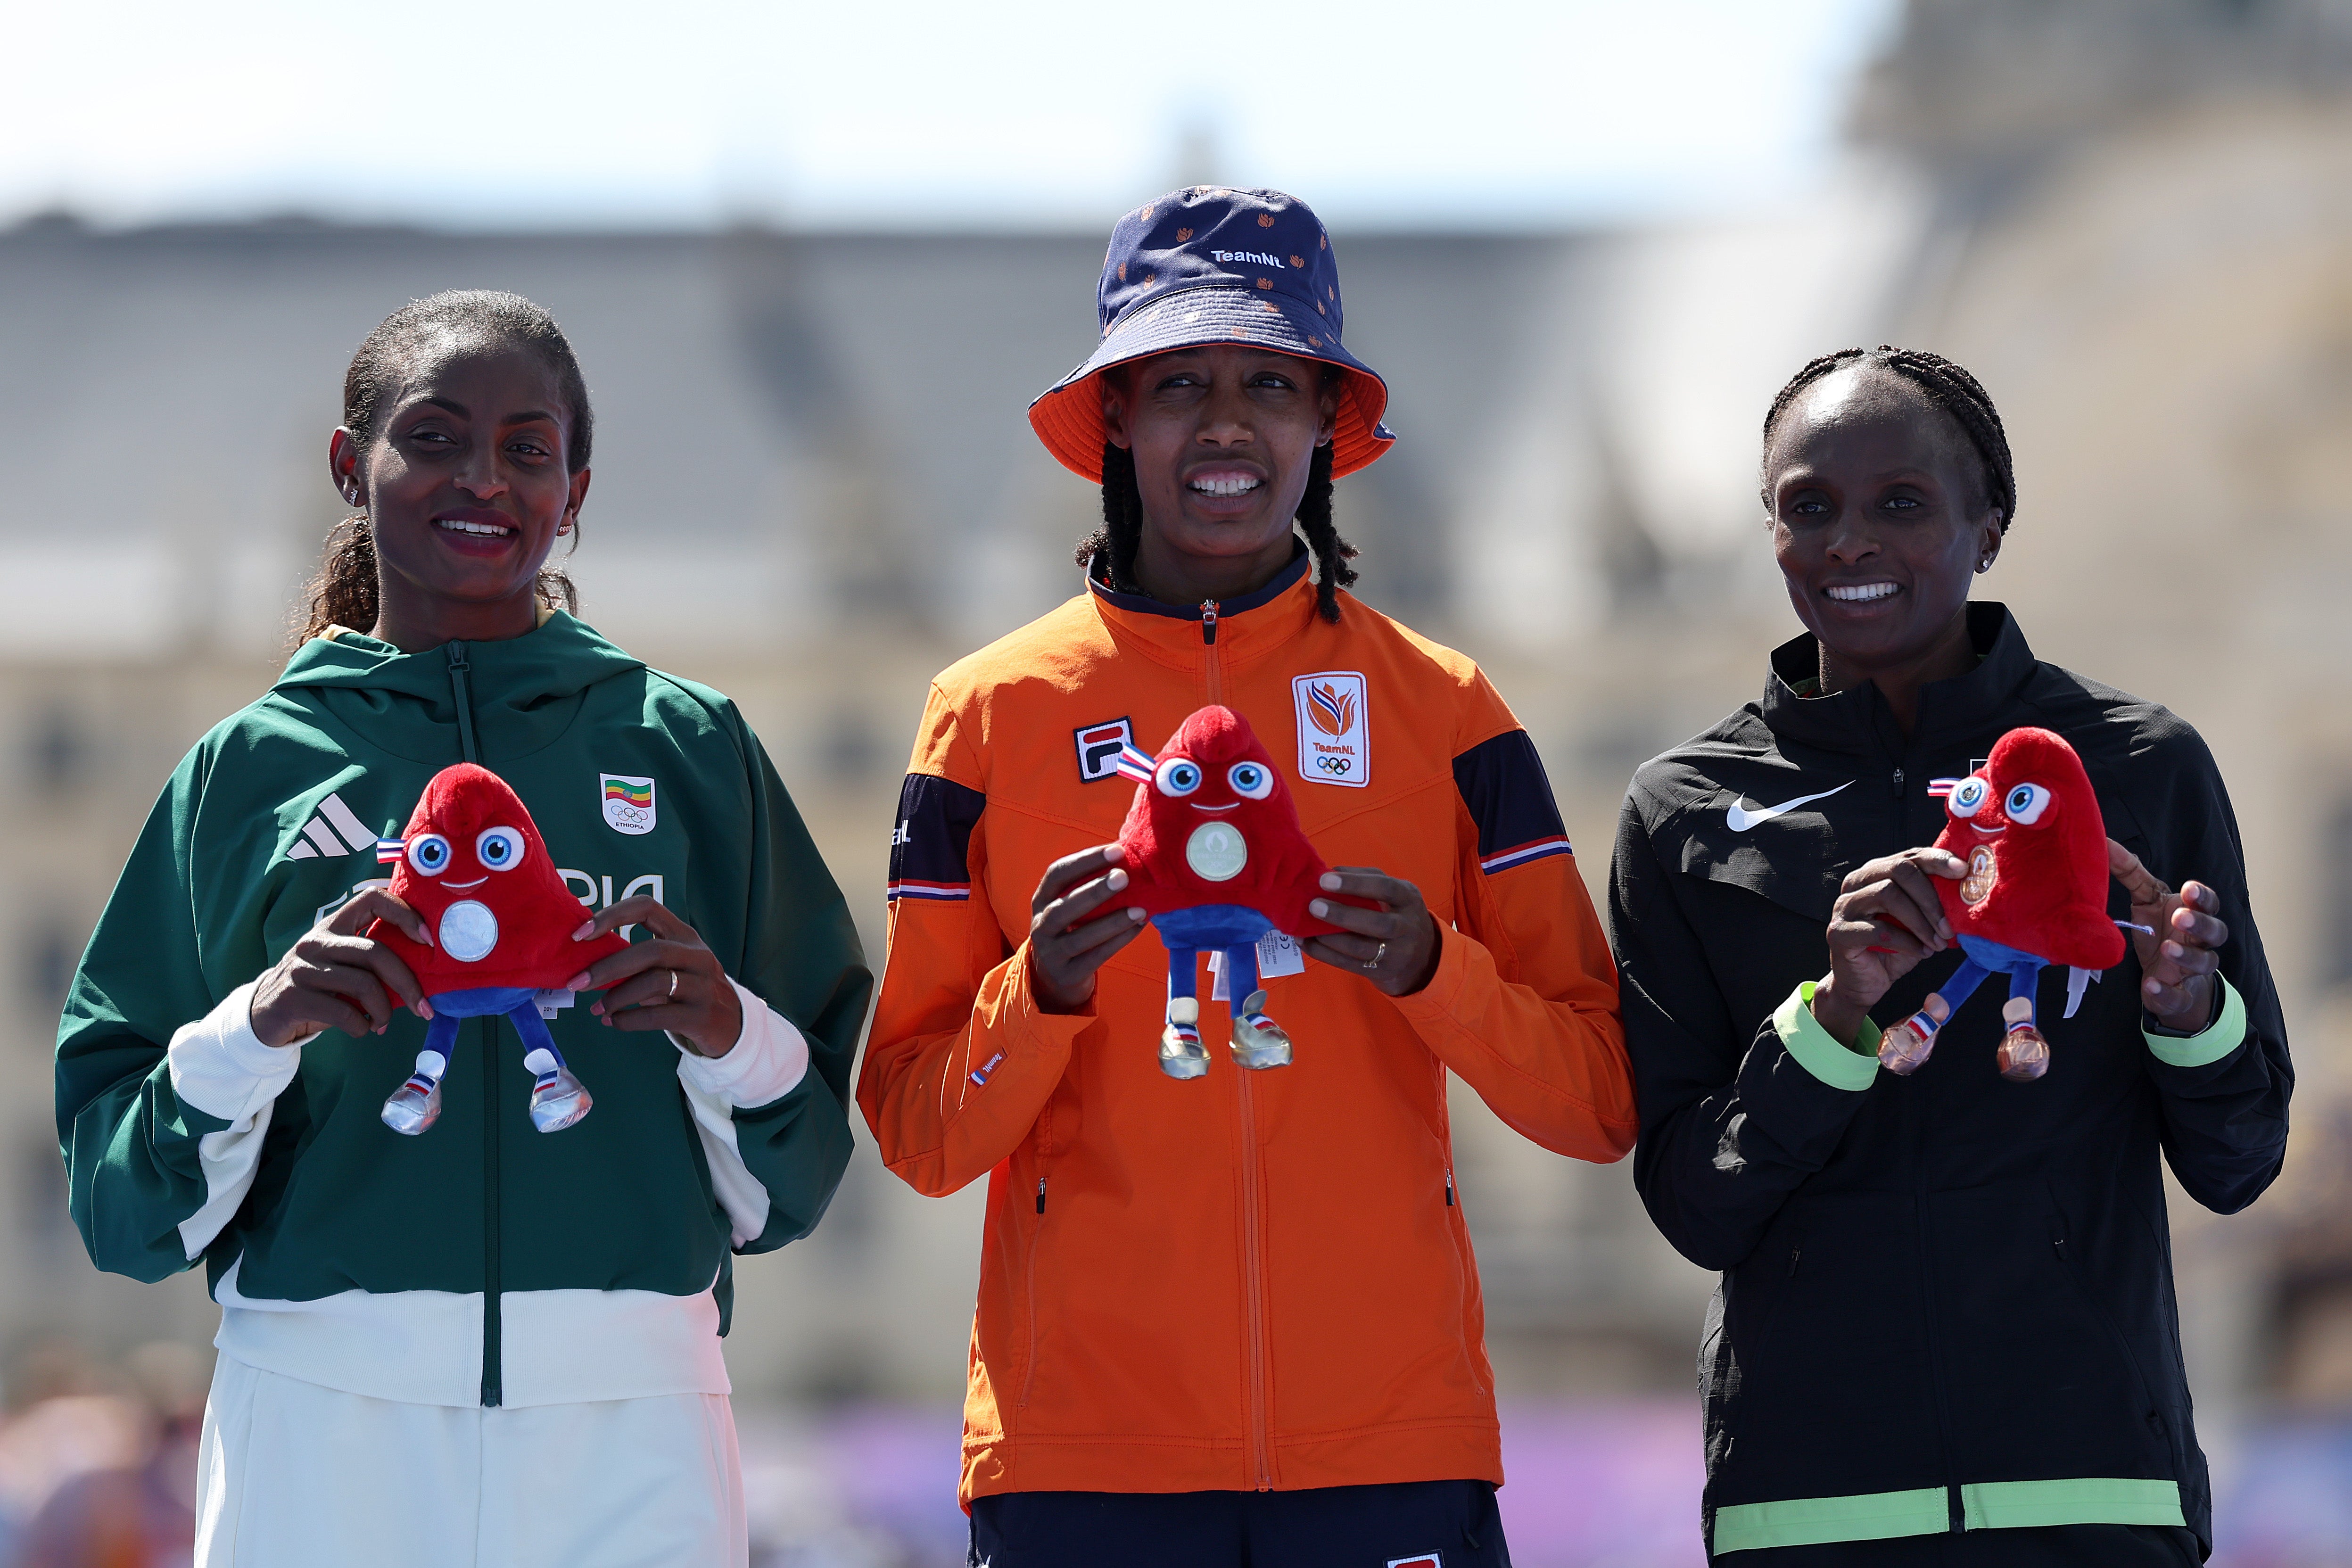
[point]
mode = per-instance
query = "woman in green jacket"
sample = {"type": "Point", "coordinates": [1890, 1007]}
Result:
{"type": "Point", "coordinates": [483, 1344]}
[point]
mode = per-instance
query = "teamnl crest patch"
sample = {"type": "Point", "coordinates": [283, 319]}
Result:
{"type": "Point", "coordinates": [1099, 746]}
{"type": "Point", "coordinates": [1333, 727]}
{"type": "Point", "coordinates": [628, 803]}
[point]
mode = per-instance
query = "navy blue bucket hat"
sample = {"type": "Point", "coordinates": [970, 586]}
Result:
{"type": "Point", "coordinates": [1208, 264]}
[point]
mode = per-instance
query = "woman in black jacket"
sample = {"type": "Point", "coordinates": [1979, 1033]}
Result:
{"type": "Point", "coordinates": [1946, 1330]}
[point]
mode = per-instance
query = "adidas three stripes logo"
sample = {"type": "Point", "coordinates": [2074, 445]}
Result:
{"type": "Point", "coordinates": [332, 830]}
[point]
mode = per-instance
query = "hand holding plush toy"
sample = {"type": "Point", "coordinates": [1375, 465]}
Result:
{"type": "Point", "coordinates": [1216, 856]}
{"type": "Point", "coordinates": [473, 865]}
{"type": "Point", "coordinates": [2027, 825]}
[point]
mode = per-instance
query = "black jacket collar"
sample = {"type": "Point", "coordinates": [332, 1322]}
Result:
{"type": "Point", "coordinates": [1099, 584]}
{"type": "Point", "coordinates": [1857, 720]}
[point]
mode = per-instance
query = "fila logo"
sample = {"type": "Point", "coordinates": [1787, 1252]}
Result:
{"type": "Point", "coordinates": [1333, 727]}
{"type": "Point", "coordinates": [1099, 746]}
{"type": "Point", "coordinates": [332, 830]}
{"type": "Point", "coordinates": [1426, 1560]}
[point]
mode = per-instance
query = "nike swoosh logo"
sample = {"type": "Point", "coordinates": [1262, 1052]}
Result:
{"type": "Point", "coordinates": [1742, 820]}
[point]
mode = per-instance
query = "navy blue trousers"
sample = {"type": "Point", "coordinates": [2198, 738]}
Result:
{"type": "Point", "coordinates": [1428, 1524]}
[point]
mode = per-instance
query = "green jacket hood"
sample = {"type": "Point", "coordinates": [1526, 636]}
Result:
{"type": "Point", "coordinates": [524, 691]}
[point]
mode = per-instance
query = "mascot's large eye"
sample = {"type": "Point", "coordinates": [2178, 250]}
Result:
{"type": "Point", "coordinates": [1967, 797]}
{"type": "Point", "coordinates": [1178, 775]}
{"type": "Point", "coordinates": [2026, 804]}
{"type": "Point", "coordinates": [501, 848]}
{"type": "Point", "coordinates": [429, 854]}
{"type": "Point", "coordinates": [1252, 781]}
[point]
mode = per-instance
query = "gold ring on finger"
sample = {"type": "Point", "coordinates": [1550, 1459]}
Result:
{"type": "Point", "coordinates": [1378, 953]}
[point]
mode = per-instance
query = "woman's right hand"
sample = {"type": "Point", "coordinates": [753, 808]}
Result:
{"type": "Point", "coordinates": [1067, 943]}
{"type": "Point", "coordinates": [1886, 919]}
{"type": "Point", "coordinates": [334, 978]}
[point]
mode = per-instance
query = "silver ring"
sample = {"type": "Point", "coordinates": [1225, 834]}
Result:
{"type": "Point", "coordinates": [673, 986]}
{"type": "Point", "coordinates": [1378, 953]}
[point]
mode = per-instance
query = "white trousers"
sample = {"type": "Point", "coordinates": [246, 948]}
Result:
{"type": "Point", "coordinates": [292, 1475]}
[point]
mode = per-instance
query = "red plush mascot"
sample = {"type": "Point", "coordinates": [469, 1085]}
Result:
{"type": "Point", "coordinates": [2028, 827]}
{"type": "Point", "coordinates": [472, 864]}
{"type": "Point", "coordinates": [1215, 855]}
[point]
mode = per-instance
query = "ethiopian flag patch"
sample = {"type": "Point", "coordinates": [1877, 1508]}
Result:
{"type": "Point", "coordinates": [628, 803]}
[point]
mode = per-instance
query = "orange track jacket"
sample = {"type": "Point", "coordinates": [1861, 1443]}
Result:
{"type": "Point", "coordinates": [1252, 1280]}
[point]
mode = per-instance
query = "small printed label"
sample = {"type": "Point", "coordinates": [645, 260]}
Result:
{"type": "Point", "coordinates": [551, 1002]}
{"type": "Point", "coordinates": [1278, 954]}
{"type": "Point", "coordinates": [1426, 1560]}
{"type": "Point", "coordinates": [1333, 727]}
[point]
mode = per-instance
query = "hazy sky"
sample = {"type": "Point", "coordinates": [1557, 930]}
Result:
{"type": "Point", "coordinates": [921, 113]}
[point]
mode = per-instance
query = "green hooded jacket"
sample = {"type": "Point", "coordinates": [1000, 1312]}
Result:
{"type": "Point", "coordinates": [267, 825]}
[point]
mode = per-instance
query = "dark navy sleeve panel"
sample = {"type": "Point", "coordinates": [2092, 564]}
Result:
{"type": "Point", "coordinates": [1502, 781]}
{"type": "Point", "coordinates": [930, 846]}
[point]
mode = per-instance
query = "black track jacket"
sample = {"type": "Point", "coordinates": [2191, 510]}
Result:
{"type": "Point", "coordinates": [1946, 1300]}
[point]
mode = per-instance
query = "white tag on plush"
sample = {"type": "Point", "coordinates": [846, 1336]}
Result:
{"type": "Point", "coordinates": [551, 1003]}
{"type": "Point", "coordinates": [2078, 981]}
{"type": "Point", "coordinates": [1278, 954]}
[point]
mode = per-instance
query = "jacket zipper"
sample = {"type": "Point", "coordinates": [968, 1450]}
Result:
{"type": "Point", "coordinates": [1253, 1244]}
{"type": "Point", "coordinates": [493, 1326]}
{"type": "Point", "coordinates": [1254, 1266]}
{"type": "Point", "coordinates": [1029, 1269]}
{"type": "Point", "coordinates": [1214, 663]}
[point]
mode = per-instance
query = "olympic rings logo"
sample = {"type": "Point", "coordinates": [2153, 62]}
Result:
{"type": "Point", "coordinates": [1335, 765]}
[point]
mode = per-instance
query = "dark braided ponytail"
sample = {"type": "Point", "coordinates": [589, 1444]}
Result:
{"type": "Point", "coordinates": [345, 593]}
{"type": "Point", "coordinates": [1121, 533]}
{"type": "Point", "coordinates": [1333, 553]}
{"type": "Point", "coordinates": [1944, 384]}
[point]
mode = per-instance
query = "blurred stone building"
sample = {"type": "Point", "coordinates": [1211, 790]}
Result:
{"type": "Point", "coordinates": [814, 486]}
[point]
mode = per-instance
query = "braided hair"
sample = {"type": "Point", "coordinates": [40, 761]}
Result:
{"type": "Point", "coordinates": [345, 593]}
{"type": "Point", "coordinates": [1121, 533]}
{"type": "Point", "coordinates": [1944, 384]}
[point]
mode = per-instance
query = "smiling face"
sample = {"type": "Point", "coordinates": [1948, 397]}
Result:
{"type": "Point", "coordinates": [1223, 437]}
{"type": "Point", "coordinates": [470, 837]}
{"type": "Point", "coordinates": [466, 483]}
{"type": "Point", "coordinates": [1878, 516]}
{"type": "Point", "coordinates": [1216, 796]}
{"type": "Point", "coordinates": [2028, 825]}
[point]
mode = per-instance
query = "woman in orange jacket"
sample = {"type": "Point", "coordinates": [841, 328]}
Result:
{"type": "Point", "coordinates": [1236, 1317]}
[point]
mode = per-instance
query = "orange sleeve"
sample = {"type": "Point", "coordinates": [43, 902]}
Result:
{"type": "Point", "coordinates": [1523, 1005]}
{"type": "Point", "coordinates": [960, 1061]}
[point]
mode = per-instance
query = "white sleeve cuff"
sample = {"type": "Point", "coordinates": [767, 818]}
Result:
{"type": "Point", "coordinates": [220, 1065]}
{"type": "Point", "coordinates": [766, 1063]}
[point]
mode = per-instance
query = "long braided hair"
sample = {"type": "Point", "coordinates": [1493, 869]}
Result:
{"type": "Point", "coordinates": [1944, 384]}
{"type": "Point", "coordinates": [346, 592]}
{"type": "Point", "coordinates": [1121, 533]}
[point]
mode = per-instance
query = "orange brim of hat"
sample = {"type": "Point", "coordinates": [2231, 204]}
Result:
{"type": "Point", "coordinates": [1067, 416]}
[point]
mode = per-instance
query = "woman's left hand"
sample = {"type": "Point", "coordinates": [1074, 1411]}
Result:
{"type": "Point", "coordinates": [671, 982]}
{"type": "Point", "coordinates": [1394, 946]}
{"type": "Point", "coordinates": [2178, 963]}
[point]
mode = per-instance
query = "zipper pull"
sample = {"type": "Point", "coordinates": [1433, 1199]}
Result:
{"type": "Point", "coordinates": [1449, 1186]}
{"type": "Point", "coordinates": [1209, 620]}
{"type": "Point", "coordinates": [1041, 1194]}
{"type": "Point", "coordinates": [1897, 782]}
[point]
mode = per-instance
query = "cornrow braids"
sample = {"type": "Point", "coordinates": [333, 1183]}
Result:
{"type": "Point", "coordinates": [1943, 383]}
{"type": "Point", "coordinates": [1121, 533]}
{"type": "Point", "coordinates": [345, 591]}
{"type": "Point", "coordinates": [1333, 553]}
